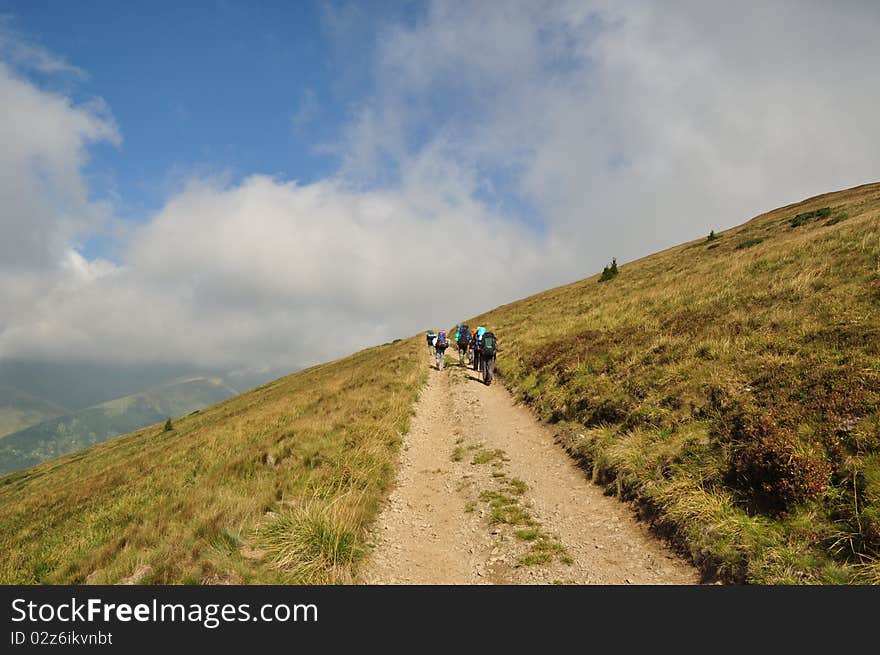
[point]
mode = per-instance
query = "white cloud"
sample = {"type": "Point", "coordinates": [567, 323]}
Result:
{"type": "Point", "coordinates": [31, 56]}
{"type": "Point", "coordinates": [43, 194]}
{"type": "Point", "coordinates": [717, 113]}
{"type": "Point", "coordinates": [271, 273]}
{"type": "Point", "coordinates": [44, 198]}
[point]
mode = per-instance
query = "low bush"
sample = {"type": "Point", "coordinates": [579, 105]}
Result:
{"type": "Point", "coordinates": [774, 468]}
{"type": "Point", "coordinates": [748, 243]}
{"type": "Point", "coordinates": [806, 217]}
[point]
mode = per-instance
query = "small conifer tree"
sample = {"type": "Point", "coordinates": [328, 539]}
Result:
{"type": "Point", "coordinates": [609, 271]}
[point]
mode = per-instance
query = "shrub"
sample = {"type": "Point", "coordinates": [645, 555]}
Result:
{"type": "Point", "coordinates": [168, 427]}
{"type": "Point", "coordinates": [806, 217]}
{"type": "Point", "coordinates": [748, 243]}
{"type": "Point", "coordinates": [772, 465]}
{"type": "Point", "coordinates": [712, 236]}
{"type": "Point", "coordinates": [609, 271]}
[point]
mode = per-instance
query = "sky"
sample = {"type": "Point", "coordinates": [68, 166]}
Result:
{"type": "Point", "coordinates": [242, 185]}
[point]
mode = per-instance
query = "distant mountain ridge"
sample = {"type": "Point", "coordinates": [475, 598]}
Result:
{"type": "Point", "coordinates": [76, 385]}
{"type": "Point", "coordinates": [19, 410]}
{"type": "Point", "coordinates": [70, 432]}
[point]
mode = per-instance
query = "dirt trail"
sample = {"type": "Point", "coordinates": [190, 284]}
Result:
{"type": "Point", "coordinates": [485, 496]}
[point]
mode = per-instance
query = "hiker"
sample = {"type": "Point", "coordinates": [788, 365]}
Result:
{"type": "Point", "coordinates": [431, 338]}
{"type": "Point", "coordinates": [478, 336]}
{"type": "Point", "coordinates": [462, 340]}
{"type": "Point", "coordinates": [488, 350]}
{"type": "Point", "coordinates": [440, 345]}
{"type": "Point", "coordinates": [472, 345]}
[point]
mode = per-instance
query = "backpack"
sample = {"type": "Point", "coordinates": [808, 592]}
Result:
{"type": "Point", "coordinates": [463, 331]}
{"type": "Point", "coordinates": [441, 338]}
{"type": "Point", "coordinates": [489, 344]}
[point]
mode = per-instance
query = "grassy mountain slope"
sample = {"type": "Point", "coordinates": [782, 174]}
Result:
{"type": "Point", "coordinates": [276, 485]}
{"type": "Point", "coordinates": [19, 410]}
{"type": "Point", "coordinates": [86, 427]}
{"type": "Point", "coordinates": [730, 386]}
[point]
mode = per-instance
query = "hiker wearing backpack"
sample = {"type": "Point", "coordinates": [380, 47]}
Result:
{"type": "Point", "coordinates": [488, 350]}
{"type": "Point", "coordinates": [462, 340]}
{"type": "Point", "coordinates": [478, 337]}
{"type": "Point", "coordinates": [475, 355]}
{"type": "Point", "coordinates": [440, 345]}
{"type": "Point", "coordinates": [431, 336]}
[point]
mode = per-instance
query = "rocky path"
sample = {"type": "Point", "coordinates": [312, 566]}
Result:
{"type": "Point", "coordinates": [485, 496]}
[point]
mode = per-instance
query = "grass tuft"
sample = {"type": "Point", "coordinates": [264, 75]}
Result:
{"type": "Point", "coordinates": [315, 543]}
{"type": "Point", "coordinates": [487, 456]}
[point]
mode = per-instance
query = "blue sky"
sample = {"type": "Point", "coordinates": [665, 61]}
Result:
{"type": "Point", "coordinates": [215, 87]}
{"type": "Point", "coordinates": [196, 182]}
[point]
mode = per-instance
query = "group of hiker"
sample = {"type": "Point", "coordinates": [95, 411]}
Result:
{"type": "Point", "coordinates": [477, 347]}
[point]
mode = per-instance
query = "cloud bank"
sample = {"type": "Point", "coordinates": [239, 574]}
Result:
{"type": "Point", "coordinates": [273, 273]}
